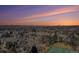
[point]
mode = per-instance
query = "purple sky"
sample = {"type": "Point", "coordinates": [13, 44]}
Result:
{"type": "Point", "coordinates": [39, 15]}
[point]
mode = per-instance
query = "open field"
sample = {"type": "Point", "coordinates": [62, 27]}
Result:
{"type": "Point", "coordinates": [27, 39]}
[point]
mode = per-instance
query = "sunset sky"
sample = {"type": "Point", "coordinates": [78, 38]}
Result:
{"type": "Point", "coordinates": [44, 15]}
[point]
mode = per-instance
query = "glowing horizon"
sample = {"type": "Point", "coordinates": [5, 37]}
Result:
{"type": "Point", "coordinates": [39, 15]}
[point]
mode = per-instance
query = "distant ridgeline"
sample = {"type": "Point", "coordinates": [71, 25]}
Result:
{"type": "Point", "coordinates": [24, 27]}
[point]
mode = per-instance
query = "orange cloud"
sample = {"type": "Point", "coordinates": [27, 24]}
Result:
{"type": "Point", "coordinates": [61, 20]}
{"type": "Point", "coordinates": [58, 21]}
{"type": "Point", "coordinates": [14, 22]}
{"type": "Point", "coordinates": [55, 12]}
{"type": "Point", "coordinates": [54, 23]}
